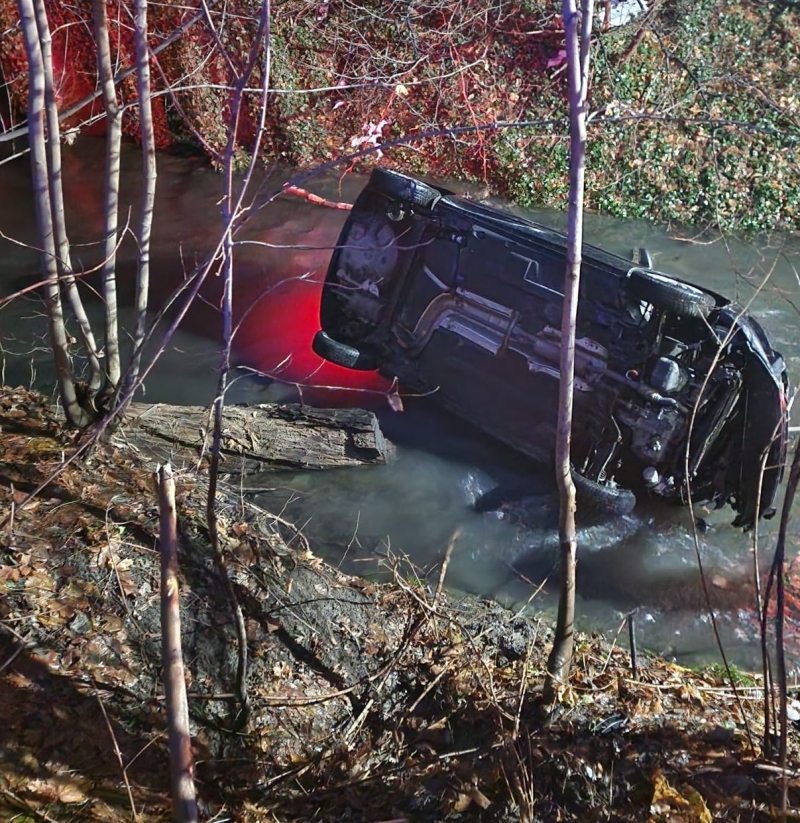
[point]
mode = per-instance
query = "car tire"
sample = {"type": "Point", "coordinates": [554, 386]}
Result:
{"type": "Point", "coordinates": [341, 354]}
{"type": "Point", "coordinates": [667, 294]}
{"type": "Point", "coordinates": [600, 498]}
{"type": "Point", "coordinates": [399, 187]}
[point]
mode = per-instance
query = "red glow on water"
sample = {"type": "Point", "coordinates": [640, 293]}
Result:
{"type": "Point", "coordinates": [275, 337]}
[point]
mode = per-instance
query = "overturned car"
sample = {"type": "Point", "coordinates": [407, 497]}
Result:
{"type": "Point", "coordinates": [678, 392]}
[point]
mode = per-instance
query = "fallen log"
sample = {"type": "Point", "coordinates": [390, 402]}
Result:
{"type": "Point", "coordinates": [262, 437]}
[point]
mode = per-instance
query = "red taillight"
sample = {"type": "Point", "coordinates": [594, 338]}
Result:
{"type": "Point", "coordinates": [275, 333]}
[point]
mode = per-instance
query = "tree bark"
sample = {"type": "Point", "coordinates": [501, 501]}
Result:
{"type": "Point", "coordinates": [76, 415]}
{"type": "Point", "coordinates": [64, 261]}
{"type": "Point", "coordinates": [145, 226]}
{"type": "Point", "coordinates": [181, 762]}
{"type": "Point", "coordinates": [263, 437]}
{"type": "Point", "coordinates": [560, 660]}
{"type": "Point", "coordinates": [111, 193]}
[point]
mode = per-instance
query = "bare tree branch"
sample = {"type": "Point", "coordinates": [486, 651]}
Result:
{"type": "Point", "coordinates": [780, 624]}
{"type": "Point", "coordinates": [15, 134]}
{"type": "Point", "coordinates": [231, 207]}
{"type": "Point", "coordinates": [184, 803]}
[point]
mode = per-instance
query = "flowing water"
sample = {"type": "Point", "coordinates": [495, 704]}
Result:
{"type": "Point", "coordinates": [403, 516]}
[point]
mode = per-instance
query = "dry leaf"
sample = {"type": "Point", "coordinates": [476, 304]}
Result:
{"type": "Point", "coordinates": [479, 798]}
{"type": "Point", "coordinates": [461, 803]}
{"type": "Point", "coordinates": [67, 791]}
{"type": "Point", "coordinates": [112, 623]}
{"type": "Point", "coordinates": [687, 801]}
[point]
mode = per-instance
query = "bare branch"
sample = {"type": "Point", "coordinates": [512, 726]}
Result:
{"type": "Point", "coordinates": [184, 803]}
{"type": "Point", "coordinates": [15, 134]}
{"type": "Point", "coordinates": [231, 206]}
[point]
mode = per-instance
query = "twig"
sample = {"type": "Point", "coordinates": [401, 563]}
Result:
{"type": "Point", "coordinates": [432, 685]}
{"type": "Point", "coordinates": [22, 131]}
{"type": "Point", "coordinates": [780, 619]}
{"type": "Point", "coordinates": [523, 683]}
{"type": "Point", "coordinates": [21, 803]}
{"type": "Point", "coordinates": [445, 563]}
{"type": "Point", "coordinates": [632, 642]}
{"type": "Point", "coordinates": [184, 803]}
{"type": "Point", "coordinates": [118, 754]}
{"type": "Point", "coordinates": [316, 199]}
{"type": "Point", "coordinates": [232, 212]}
{"type": "Point", "coordinates": [14, 655]}
{"type": "Point", "coordinates": [12, 511]}
{"type": "Point", "coordinates": [357, 722]}
{"type": "Point", "coordinates": [721, 348]}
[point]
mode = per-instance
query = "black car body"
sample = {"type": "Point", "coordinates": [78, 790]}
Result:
{"type": "Point", "coordinates": [677, 389]}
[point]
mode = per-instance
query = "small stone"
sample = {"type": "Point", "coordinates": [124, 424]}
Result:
{"type": "Point", "coordinates": [80, 624]}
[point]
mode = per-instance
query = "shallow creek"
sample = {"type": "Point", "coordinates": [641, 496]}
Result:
{"type": "Point", "coordinates": [404, 515]}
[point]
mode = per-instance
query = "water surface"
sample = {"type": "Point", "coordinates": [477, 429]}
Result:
{"type": "Point", "coordinates": [405, 515]}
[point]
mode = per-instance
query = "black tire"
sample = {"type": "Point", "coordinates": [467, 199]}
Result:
{"type": "Point", "coordinates": [406, 189]}
{"type": "Point", "coordinates": [667, 294]}
{"type": "Point", "coordinates": [598, 498]}
{"type": "Point", "coordinates": [341, 354]}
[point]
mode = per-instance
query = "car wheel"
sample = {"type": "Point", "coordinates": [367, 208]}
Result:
{"type": "Point", "coordinates": [341, 354]}
{"type": "Point", "coordinates": [600, 498]}
{"type": "Point", "coordinates": [399, 187]}
{"type": "Point", "coordinates": [667, 294]}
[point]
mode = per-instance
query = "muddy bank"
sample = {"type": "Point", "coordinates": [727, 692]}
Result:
{"type": "Point", "coordinates": [369, 701]}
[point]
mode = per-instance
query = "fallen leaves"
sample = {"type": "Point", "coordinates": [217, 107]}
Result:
{"type": "Point", "coordinates": [431, 719]}
{"type": "Point", "coordinates": [57, 789]}
{"type": "Point", "coordinates": [677, 805]}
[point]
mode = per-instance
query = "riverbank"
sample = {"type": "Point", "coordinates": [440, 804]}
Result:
{"type": "Point", "coordinates": [694, 112]}
{"type": "Point", "coordinates": [369, 701]}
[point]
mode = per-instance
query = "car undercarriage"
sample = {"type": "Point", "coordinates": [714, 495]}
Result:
{"type": "Point", "coordinates": [677, 391]}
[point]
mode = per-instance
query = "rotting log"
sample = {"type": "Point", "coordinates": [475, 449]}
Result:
{"type": "Point", "coordinates": [262, 437]}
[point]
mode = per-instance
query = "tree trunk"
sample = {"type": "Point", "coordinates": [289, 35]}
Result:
{"type": "Point", "coordinates": [144, 229]}
{"type": "Point", "coordinates": [560, 660]}
{"type": "Point", "coordinates": [64, 262]}
{"type": "Point", "coordinates": [76, 415]}
{"type": "Point", "coordinates": [111, 190]}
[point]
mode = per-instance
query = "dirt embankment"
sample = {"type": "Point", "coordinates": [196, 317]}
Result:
{"type": "Point", "coordinates": [370, 702]}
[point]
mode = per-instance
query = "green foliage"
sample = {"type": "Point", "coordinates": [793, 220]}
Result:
{"type": "Point", "coordinates": [738, 677]}
{"type": "Point", "coordinates": [695, 118]}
